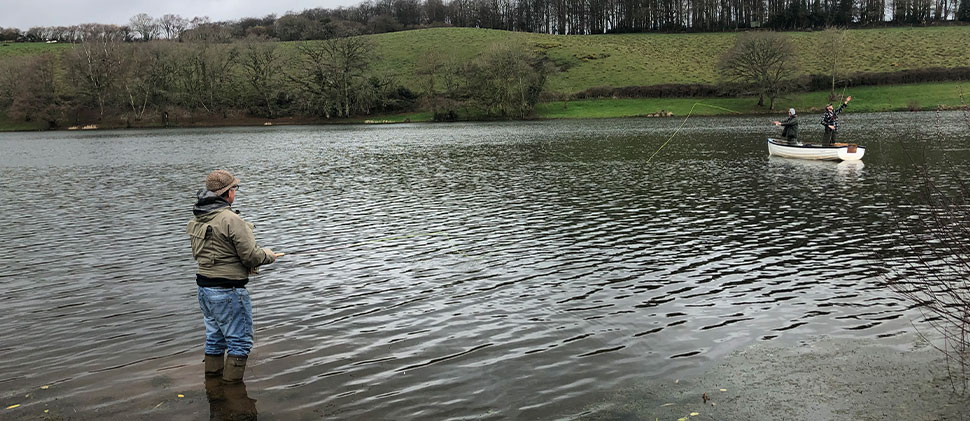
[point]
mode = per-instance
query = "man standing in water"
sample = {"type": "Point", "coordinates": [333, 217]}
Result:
{"type": "Point", "coordinates": [225, 249]}
{"type": "Point", "coordinates": [790, 125]}
{"type": "Point", "coordinates": [830, 119]}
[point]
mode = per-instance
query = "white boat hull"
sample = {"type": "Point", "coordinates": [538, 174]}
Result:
{"type": "Point", "coordinates": [841, 152]}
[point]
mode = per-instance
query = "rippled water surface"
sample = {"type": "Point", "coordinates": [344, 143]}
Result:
{"type": "Point", "coordinates": [461, 271]}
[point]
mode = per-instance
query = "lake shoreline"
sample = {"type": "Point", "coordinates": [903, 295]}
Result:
{"type": "Point", "coordinates": [386, 120]}
{"type": "Point", "coordinates": [650, 108]}
{"type": "Point", "coordinates": [944, 96]}
{"type": "Point", "coordinates": [824, 377]}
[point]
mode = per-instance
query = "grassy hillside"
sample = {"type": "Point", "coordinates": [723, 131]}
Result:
{"type": "Point", "coordinates": [23, 48]}
{"type": "Point", "coordinates": [651, 59]}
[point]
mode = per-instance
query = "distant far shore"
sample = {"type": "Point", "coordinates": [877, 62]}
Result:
{"type": "Point", "coordinates": [916, 97]}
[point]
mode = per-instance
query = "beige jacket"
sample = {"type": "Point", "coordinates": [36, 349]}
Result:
{"type": "Point", "coordinates": [224, 246]}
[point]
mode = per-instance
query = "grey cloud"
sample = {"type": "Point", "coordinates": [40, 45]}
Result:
{"type": "Point", "coordinates": [25, 14]}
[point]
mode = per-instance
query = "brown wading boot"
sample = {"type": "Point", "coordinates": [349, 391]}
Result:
{"type": "Point", "coordinates": [235, 368]}
{"type": "Point", "coordinates": [213, 365]}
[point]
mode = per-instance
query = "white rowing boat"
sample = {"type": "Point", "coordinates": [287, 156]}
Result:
{"type": "Point", "coordinates": [834, 152]}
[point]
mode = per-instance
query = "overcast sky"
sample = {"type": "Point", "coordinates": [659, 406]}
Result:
{"type": "Point", "coordinates": [24, 14]}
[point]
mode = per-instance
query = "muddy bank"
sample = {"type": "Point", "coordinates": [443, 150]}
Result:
{"type": "Point", "coordinates": [902, 378]}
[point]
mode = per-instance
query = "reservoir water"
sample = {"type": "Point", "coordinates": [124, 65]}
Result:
{"type": "Point", "coordinates": [519, 270]}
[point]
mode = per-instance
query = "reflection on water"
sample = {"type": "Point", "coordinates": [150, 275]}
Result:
{"type": "Point", "coordinates": [229, 402]}
{"type": "Point", "coordinates": [496, 271]}
{"type": "Point", "coordinates": [808, 167]}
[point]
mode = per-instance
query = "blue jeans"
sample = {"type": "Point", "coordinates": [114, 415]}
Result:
{"type": "Point", "coordinates": [228, 317]}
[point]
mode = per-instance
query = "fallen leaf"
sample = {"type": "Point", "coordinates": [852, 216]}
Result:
{"type": "Point", "coordinates": [181, 395]}
{"type": "Point", "coordinates": [159, 404]}
{"type": "Point", "coordinates": [27, 395]}
{"type": "Point", "coordinates": [47, 410]}
{"type": "Point", "coordinates": [667, 404]}
{"type": "Point", "coordinates": [724, 390]}
{"type": "Point", "coordinates": [694, 414]}
{"type": "Point", "coordinates": [45, 387]}
{"type": "Point", "coordinates": [13, 406]}
{"type": "Point", "coordinates": [676, 381]}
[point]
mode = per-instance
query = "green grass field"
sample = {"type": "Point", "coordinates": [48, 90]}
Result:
{"type": "Point", "coordinates": [8, 49]}
{"type": "Point", "coordinates": [652, 59]}
{"type": "Point", "coordinates": [648, 59]}
{"type": "Point", "coordinates": [926, 96]}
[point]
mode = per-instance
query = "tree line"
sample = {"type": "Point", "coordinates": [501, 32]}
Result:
{"type": "Point", "coordinates": [105, 80]}
{"type": "Point", "coordinates": [539, 16]}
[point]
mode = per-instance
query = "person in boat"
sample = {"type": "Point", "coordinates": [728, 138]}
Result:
{"type": "Point", "coordinates": [790, 125]}
{"type": "Point", "coordinates": [225, 248]}
{"type": "Point", "coordinates": [830, 119]}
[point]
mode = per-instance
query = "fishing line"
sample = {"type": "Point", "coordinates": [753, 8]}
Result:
{"type": "Point", "coordinates": [682, 126]}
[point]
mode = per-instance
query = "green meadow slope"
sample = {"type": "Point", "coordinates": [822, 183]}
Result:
{"type": "Point", "coordinates": [618, 60]}
{"type": "Point", "coordinates": [8, 49]}
{"type": "Point", "coordinates": [651, 59]}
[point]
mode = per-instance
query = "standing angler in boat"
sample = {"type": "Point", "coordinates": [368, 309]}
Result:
{"type": "Point", "coordinates": [830, 119]}
{"type": "Point", "coordinates": [790, 125]}
{"type": "Point", "coordinates": [225, 249]}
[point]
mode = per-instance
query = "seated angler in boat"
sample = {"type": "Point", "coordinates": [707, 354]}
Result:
{"type": "Point", "coordinates": [790, 125]}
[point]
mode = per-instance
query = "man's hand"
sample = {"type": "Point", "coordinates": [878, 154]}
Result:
{"type": "Point", "coordinates": [832, 127]}
{"type": "Point", "coordinates": [777, 123]}
{"type": "Point", "coordinates": [273, 253]}
{"type": "Point", "coordinates": [847, 99]}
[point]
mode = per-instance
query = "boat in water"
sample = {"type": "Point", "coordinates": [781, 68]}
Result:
{"type": "Point", "coordinates": [833, 152]}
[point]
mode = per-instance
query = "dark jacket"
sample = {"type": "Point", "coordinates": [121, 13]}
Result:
{"type": "Point", "coordinates": [790, 125]}
{"type": "Point", "coordinates": [831, 118]}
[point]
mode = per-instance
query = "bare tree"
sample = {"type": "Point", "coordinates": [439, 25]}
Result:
{"type": "Point", "coordinates": [94, 65]}
{"type": "Point", "coordinates": [173, 26]}
{"type": "Point", "coordinates": [431, 66]}
{"type": "Point", "coordinates": [9, 34]}
{"type": "Point", "coordinates": [832, 51]}
{"type": "Point", "coordinates": [201, 29]}
{"type": "Point", "coordinates": [146, 72]}
{"type": "Point", "coordinates": [145, 26]}
{"type": "Point", "coordinates": [506, 80]}
{"type": "Point", "coordinates": [936, 269]}
{"type": "Point", "coordinates": [334, 73]}
{"type": "Point", "coordinates": [204, 75]}
{"type": "Point", "coordinates": [764, 60]}
{"type": "Point", "coordinates": [29, 89]}
{"type": "Point", "coordinates": [262, 67]}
